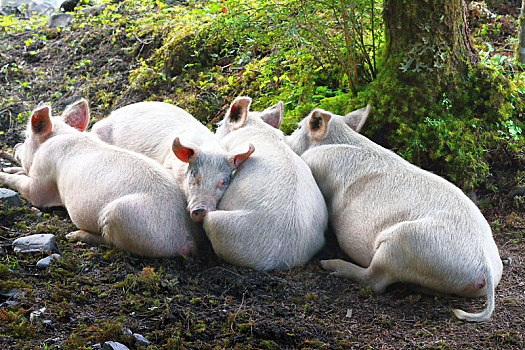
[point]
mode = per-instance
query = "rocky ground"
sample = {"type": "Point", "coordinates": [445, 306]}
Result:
{"type": "Point", "coordinates": [91, 295]}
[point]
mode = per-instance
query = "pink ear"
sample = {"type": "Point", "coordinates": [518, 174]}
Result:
{"type": "Point", "coordinates": [238, 112]}
{"type": "Point", "coordinates": [41, 121]}
{"type": "Point", "coordinates": [357, 119]}
{"type": "Point", "coordinates": [273, 115]}
{"type": "Point", "coordinates": [77, 115]}
{"type": "Point", "coordinates": [238, 159]}
{"type": "Point", "coordinates": [318, 123]}
{"type": "Point", "coordinates": [185, 154]}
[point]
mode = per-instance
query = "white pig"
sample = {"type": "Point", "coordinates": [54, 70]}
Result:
{"type": "Point", "coordinates": [181, 143]}
{"type": "Point", "coordinates": [273, 215]}
{"type": "Point", "coordinates": [397, 222]}
{"type": "Point", "coordinates": [112, 195]}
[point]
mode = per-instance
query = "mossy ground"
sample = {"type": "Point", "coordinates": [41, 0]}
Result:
{"type": "Point", "coordinates": [93, 292]}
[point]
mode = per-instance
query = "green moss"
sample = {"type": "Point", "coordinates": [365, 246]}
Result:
{"type": "Point", "coordinates": [449, 128]}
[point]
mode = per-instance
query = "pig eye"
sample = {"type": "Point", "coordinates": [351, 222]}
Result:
{"type": "Point", "coordinates": [224, 182]}
{"type": "Point", "coordinates": [194, 172]}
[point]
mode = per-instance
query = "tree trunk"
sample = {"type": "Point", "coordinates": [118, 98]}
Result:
{"type": "Point", "coordinates": [432, 101]}
{"type": "Point", "coordinates": [428, 37]}
{"type": "Point", "coordinates": [521, 49]}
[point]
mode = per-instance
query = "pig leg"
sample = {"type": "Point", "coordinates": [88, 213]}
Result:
{"type": "Point", "coordinates": [385, 263]}
{"type": "Point", "coordinates": [86, 237]}
{"type": "Point", "coordinates": [229, 234]}
{"type": "Point", "coordinates": [142, 226]}
{"type": "Point", "coordinates": [422, 252]}
{"type": "Point", "coordinates": [40, 191]}
{"type": "Point", "coordinates": [376, 278]}
{"type": "Point", "coordinates": [14, 170]}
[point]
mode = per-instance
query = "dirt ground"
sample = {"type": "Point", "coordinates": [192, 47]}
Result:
{"type": "Point", "coordinates": [92, 293]}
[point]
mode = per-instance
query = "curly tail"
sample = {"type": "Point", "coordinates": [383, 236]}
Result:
{"type": "Point", "coordinates": [485, 314]}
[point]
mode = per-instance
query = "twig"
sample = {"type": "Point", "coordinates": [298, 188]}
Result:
{"type": "Point", "coordinates": [9, 158]}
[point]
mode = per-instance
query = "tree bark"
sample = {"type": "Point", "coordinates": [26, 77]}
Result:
{"type": "Point", "coordinates": [428, 36]}
{"type": "Point", "coordinates": [432, 100]}
{"type": "Point", "coordinates": [521, 49]}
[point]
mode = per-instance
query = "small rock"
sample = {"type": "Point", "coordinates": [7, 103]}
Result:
{"type": "Point", "coordinates": [93, 10]}
{"type": "Point", "coordinates": [348, 313]}
{"type": "Point", "coordinates": [12, 293]}
{"type": "Point", "coordinates": [36, 314]}
{"type": "Point", "coordinates": [12, 4]}
{"type": "Point", "coordinates": [113, 345]}
{"type": "Point", "coordinates": [96, 346]}
{"type": "Point", "coordinates": [126, 331]}
{"type": "Point", "coordinates": [141, 340]}
{"type": "Point", "coordinates": [59, 20]}
{"type": "Point", "coordinates": [36, 7]}
{"type": "Point", "coordinates": [520, 191]}
{"type": "Point", "coordinates": [10, 198]}
{"type": "Point", "coordinates": [47, 322]}
{"type": "Point", "coordinates": [507, 261]}
{"type": "Point", "coordinates": [46, 262]}
{"type": "Point", "coordinates": [35, 243]}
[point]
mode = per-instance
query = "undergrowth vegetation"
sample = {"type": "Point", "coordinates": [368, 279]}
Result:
{"type": "Point", "coordinates": [329, 54]}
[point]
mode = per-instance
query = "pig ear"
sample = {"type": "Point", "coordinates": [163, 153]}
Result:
{"type": "Point", "coordinates": [41, 121]}
{"type": "Point", "coordinates": [273, 115]}
{"type": "Point", "coordinates": [318, 123]}
{"type": "Point", "coordinates": [236, 160]}
{"type": "Point", "coordinates": [77, 115]}
{"type": "Point", "coordinates": [185, 154]}
{"type": "Point", "coordinates": [238, 112]}
{"type": "Point", "coordinates": [357, 119]}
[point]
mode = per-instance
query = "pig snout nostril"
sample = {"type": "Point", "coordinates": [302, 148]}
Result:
{"type": "Point", "coordinates": [198, 214]}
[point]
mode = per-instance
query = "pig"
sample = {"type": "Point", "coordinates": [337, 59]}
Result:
{"type": "Point", "coordinates": [395, 221]}
{"type": "Point", "coordinates": [273, 215]}
{"type": "Point", "coordinates": [178, 141]}
{"type": "Point", "coordinates": [112, 195]}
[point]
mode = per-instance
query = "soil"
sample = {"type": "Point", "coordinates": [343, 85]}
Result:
{"type": "Point", "coordinates": [93, 294]}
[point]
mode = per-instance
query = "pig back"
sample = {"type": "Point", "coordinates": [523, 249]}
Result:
{"type": "Point", "coordinates": [368, 191]}
{"type": "Point", "coordinates": [283, 212]}
{"type": "Point", "coordinates": [149, 128]}
{"type": "Point", "coordinates": [92, 174]}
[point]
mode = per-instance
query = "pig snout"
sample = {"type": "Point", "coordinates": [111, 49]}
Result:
{"type": "Point", "coordinates": [198, 214]}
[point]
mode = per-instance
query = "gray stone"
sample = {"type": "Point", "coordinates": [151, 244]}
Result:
{"type": "Point", "coordinates": [59, 20]}
{"type": "Point", "coordinates": [93, 10]}
{"type": "Point", "coordinates": [141, 340]}
{"type": "Point", "coordinates": [96, 346]}
{"type": "Point", "coordinates": [35, 315]}
{"type": "Point", "coordinates": [37, 7]}
{"type": "Point", "coordinates": [10, 198]}
{"type": "Point", "coordinates": [126, 331]}
{"type": "Point", "coordinates": [46, 262]}
{"type": "Point", "coordinates": [113, 345]}
{"type": "Point", "coordinates": [520, 191]}
{"type": "Point", "coordinates": [13, 3]}
{"type": "Point", "coordinates": [14, 293]}
{"type": "Point", "coordinates": [35, 243]}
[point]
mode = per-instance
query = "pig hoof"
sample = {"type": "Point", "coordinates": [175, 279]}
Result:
{"type": "Point", "coordinates": [70, 236]}
{"type": "Point", "coordinates": [86, 237]}
{"type": "Point", "coordinates": [331, 265]}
